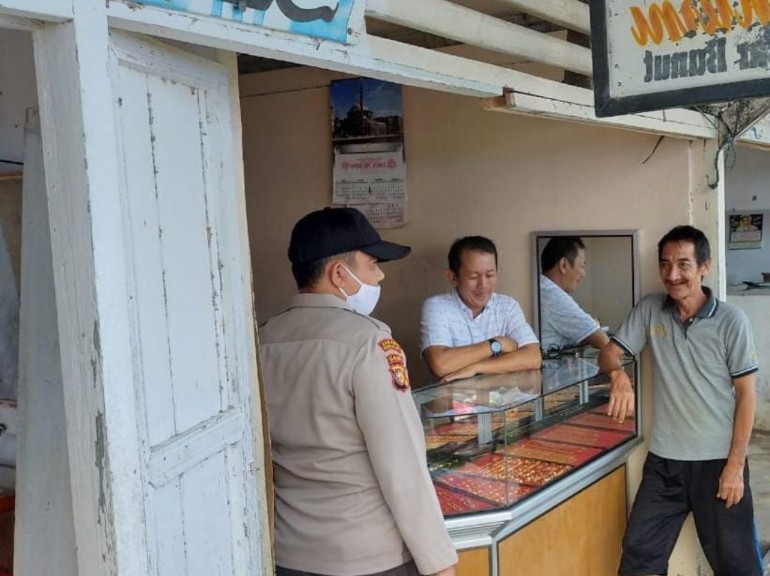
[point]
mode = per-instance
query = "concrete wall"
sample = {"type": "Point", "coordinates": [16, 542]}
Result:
{"type": "Point", "coordinates": [17, 93]}
{"type": "Point", "coordinates": [746, 191]}
{"type": "Point", "coordinates": [469, 171]}
{"type": "Point", "coordinates": [746, 180]}
{"type": "Point", "coordinates": [757, 307]}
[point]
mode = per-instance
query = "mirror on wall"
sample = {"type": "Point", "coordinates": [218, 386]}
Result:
{"type": "Point", "coordinates": [591, 284]}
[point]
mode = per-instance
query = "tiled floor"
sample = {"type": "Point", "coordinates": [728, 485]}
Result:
{"type": "Point", "coordinates": [759, 461]}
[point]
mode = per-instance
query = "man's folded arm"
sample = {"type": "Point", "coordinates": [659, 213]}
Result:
{"type": "Point", "coordinates": [443, 360]}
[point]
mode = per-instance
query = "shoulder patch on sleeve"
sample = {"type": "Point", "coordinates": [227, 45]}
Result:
{"type": "Point", "coordinates": [396, 363]}
{"type": "Point", "coordinates": [390, 345]}
{"type": "Point", "coordinates": [399, 374]}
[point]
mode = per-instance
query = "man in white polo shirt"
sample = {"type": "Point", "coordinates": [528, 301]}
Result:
{"type": "Point", "coordinates": [563, 323]}
{"type": "Point", "coordinates": [704, 372]}
{"type": "Point", "coordinates": [473, 330]}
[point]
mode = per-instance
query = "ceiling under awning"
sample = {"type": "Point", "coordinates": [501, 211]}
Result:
{"type": "Point", "coordinates": [502, 10]}
{"type": "Point", "coordinates": [519, 56]}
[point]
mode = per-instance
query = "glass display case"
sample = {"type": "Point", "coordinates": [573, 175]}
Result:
{"type": "Point", "coordinates": [495, 440]}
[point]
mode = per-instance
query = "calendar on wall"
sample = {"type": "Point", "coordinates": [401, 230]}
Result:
{"type": "Point", "coordinates": [745, 231]}
{"type": "Point", "coordinates": [384, 215]}
{"type": "Point", "coordinates": [373, 182]}
{"type": "Point", "coordinates": [369, 161]}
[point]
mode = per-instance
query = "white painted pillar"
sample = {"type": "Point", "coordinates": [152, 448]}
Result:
{"type": "Point", "coordinates": [74, 93]}
{"type": "Point", "coordinates": [43, 496]}
{"type": "Point", "coordinates": [707, 206]}
{"type": "Point", "coordinates": [707, 212]}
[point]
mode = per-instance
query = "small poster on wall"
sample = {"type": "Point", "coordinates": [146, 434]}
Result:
{"type": "Point", "coordinates": [369, 162]}
{"type": "Point", "coordinates": [745, 231]}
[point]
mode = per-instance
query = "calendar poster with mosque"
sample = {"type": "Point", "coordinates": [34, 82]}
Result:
{"type": "Point", "coordinates": [368, 138]}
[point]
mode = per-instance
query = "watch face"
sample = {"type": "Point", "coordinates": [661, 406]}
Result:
{"type": "Point", "coordinates": [496, 346]}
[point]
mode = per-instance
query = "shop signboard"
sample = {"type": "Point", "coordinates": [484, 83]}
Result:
{"type": "Point", "coordinates": [650, 55]}
{"type": "Point", "coordinates": [337, 20]}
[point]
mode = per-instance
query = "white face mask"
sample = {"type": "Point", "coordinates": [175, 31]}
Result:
{"type": "Point", "coordinates": [365, 299]}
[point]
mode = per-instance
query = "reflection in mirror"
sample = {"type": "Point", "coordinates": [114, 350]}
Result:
{"type": "Point", "coordinates": [585, 284]}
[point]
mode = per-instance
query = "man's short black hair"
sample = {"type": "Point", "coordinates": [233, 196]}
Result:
{"type": "Point", "coordinates": [688, 234]}
{"type": "Point", "coordinates": [471, 244]}
{"type": "Point", "coordinates": [560, 247]}
{"type": "Point", "coordinates": [306, 274]}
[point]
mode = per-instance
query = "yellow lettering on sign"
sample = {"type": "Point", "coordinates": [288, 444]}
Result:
{"type": "Point", "coordinates": [719, 17]}
{"type": "Point", "coordinates": [749, 7]}
{"type": "Point", "coordinates": [661, 20]}
{"type": "Point", "coordinates": [651, 27]}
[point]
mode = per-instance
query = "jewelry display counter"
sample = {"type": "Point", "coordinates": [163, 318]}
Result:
{"type": "Point", "coordinates": [509, 452]}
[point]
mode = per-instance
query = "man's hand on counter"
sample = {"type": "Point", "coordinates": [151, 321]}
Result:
{"type": "Point", "coordinates": [621, 390]}
{"type": "Point", "coordinates": [621, 396]}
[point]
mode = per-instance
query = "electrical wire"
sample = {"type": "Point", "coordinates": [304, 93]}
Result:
{"type": "Point", "coordinates": [727, 143]}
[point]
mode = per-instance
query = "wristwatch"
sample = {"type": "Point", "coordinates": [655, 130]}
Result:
{"type": "Point", "coordinates": [495, 347]}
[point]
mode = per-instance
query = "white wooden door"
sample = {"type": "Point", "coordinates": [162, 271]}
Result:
{"type": "Point", "coordinates": [189, 298]}
{"type": "Point", "coordinates": [151, 268]}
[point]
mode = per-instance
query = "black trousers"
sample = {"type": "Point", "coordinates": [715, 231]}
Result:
{"type": "Point", "coordinates": [670, 490]}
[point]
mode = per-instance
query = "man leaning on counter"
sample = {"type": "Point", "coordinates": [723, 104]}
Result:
{"type": "Point", "coordinates": [472, 329]}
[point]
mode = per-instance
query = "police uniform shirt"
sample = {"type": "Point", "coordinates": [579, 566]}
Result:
{"type": "Point", "coordinates": [353, 493]}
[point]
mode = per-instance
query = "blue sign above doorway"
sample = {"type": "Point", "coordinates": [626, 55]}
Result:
{"type": "Point", "coordinates": [336, 20]}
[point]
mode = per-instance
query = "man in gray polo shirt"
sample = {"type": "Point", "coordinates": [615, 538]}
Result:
{"type": "Point", "coordinates": [703, 412]}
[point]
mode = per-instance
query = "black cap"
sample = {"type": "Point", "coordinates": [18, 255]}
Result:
{"type": "Point", "coordinates": [332, 231]}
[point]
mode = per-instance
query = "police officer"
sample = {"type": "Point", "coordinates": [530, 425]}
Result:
{"type": "Point", "coordinates": [352, 492]}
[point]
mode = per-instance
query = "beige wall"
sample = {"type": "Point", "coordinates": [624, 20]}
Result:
{"type": "Point", "coordinates": [469, 171]}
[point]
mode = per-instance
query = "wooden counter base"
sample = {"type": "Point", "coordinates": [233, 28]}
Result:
{"type": "Point", "coordinates": [581, 537]}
